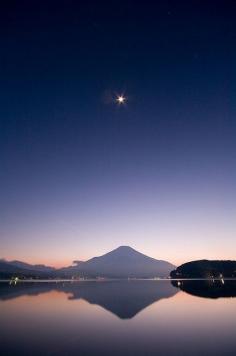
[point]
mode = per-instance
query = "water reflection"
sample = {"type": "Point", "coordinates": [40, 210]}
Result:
{"type": "Point", "coordinates": [123, 298]}
{"type": "Point", "coordinates": [208, 288]}
{"type": "Point", "coordinates": [97, 318]}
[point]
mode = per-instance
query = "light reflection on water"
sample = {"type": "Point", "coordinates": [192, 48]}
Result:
{"type": "Point", "coordinates": [117, 318]}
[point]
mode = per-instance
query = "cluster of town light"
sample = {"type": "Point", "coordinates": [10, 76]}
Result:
{"type": "Point", "coordinates": [14, 280]}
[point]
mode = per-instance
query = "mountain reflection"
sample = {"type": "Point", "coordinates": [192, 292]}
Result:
{"type": "Point", "coordinates": [208, 288]}
{"type": "Point", "coordinates": [123, 298]}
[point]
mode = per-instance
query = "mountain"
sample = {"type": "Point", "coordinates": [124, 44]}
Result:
{"type": "Point", "coordinates": [123, 262]}
{"type": "Point", "coordinates": [205, 269]}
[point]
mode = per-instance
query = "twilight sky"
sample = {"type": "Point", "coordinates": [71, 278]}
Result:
{"type": "Point", "coordinates": [81, 175]}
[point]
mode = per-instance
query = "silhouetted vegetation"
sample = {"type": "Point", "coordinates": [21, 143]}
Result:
{"type": "Point", "coordinates": [205, 269]}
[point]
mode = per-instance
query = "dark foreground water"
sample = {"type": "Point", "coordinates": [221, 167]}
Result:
{"type": "Point", "coordinates": [118, 318]}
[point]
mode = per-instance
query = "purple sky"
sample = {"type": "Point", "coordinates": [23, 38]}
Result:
{"type": "Point", "coordinates": [80, 175]}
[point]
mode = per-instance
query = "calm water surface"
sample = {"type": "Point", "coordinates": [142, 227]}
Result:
{"type": "Point", "coordinates": [118, 318]}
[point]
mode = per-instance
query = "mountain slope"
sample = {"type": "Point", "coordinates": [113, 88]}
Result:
{"type": "Point", "coordinates": [123, 262]}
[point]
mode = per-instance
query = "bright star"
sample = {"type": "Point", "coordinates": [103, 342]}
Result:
{"type": "Point", "coordinates": [120, 99]}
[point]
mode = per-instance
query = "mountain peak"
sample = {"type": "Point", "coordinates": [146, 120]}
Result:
{"type": "Point", "coordinates": [123, 251]}
{"type": "Point", "coordinates": [124, 248]}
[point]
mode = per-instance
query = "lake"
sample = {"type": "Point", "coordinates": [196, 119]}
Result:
{"type": "Point", "coordinates": [152, 317]}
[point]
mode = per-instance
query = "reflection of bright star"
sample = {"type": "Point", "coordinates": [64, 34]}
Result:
{"type": "Point", "coordinates": [120, 99]}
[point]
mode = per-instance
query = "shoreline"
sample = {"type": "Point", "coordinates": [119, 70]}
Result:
{"type": "Point", "coordinates": [110, 280]}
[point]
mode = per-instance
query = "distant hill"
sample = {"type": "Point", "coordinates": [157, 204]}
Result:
{"type": "Point", "coordinates": [205, 269]}
{"type": "Point", "coordinates": [10, 269]}
{"type": "Point", "coordinates": [123, 262]}
{"type": "Point", "coordinates": [40, 268]}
